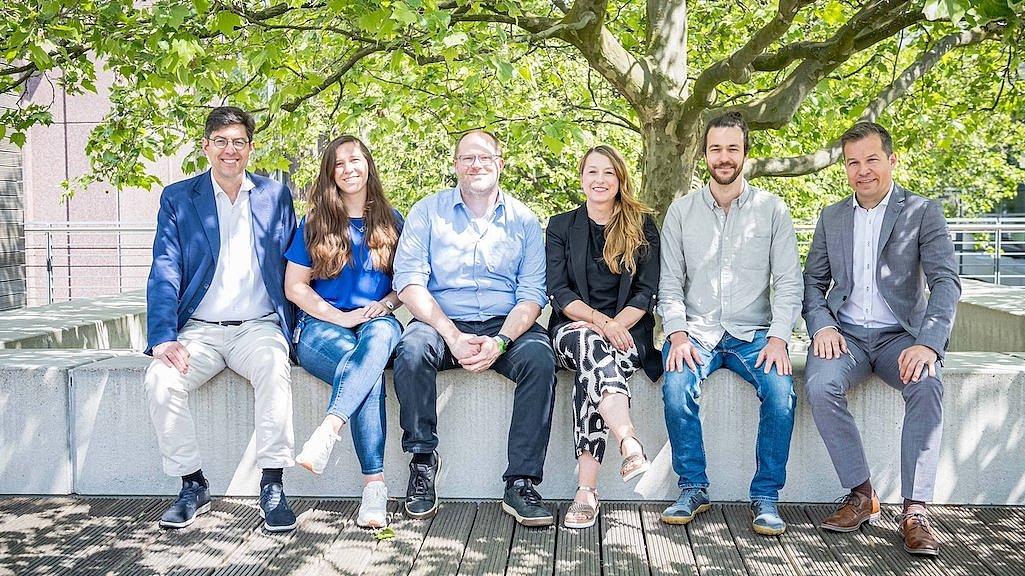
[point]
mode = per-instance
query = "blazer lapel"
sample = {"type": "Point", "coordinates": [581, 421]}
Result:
{"type": "Point", "coordinates": [893, 210]}
{"type": "Point", "coordinates": [846, 231]}
{"type": "Point", "coordinates": [578, 236]}
{"type": "Point", "coordinates": [261, 209]}
{"type": "Point", "coordinates": [206, 212]}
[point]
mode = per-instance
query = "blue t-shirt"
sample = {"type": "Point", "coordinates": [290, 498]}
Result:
{"type": "Point", "coordinates": [358, 284]}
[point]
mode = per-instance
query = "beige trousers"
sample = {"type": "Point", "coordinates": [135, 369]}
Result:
{"type": "Point", "coordinates": [256, 350]}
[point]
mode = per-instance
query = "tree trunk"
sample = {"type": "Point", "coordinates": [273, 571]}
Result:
{"type": "Point", "coordinates": [670, 152]}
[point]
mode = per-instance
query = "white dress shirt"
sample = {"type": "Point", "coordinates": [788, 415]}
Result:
{"type": "Point", "coordinates": [237, 291]}
{"type": "Point", "coordinates": [866, 306]}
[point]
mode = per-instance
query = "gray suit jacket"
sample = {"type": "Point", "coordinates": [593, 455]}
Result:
{"type": "Point", "coordinates": [914, 250]}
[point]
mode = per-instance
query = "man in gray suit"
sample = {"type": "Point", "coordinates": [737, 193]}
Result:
{"type": "Point", "coordinates": [864, 303]}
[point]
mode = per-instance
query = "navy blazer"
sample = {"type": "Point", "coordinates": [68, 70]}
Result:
{"type": "Point", "coordinates": [188, 241]}
{"type": "Point", "coordinates": [566, 247]}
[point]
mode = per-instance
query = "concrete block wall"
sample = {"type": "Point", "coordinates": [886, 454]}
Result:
{"type": "Point", "coordinates": [982, 461]}
{"type": "Point", "coordinates": [34, 431]}
{"type": "Point", "coordinates": [115, 322]}
{"type": "Point", "coordinates": [989, 317]}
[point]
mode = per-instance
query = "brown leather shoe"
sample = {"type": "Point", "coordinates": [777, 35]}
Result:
{"type": "Point", "coordinates": [852, 511]}
{"type": "Point", "coordinates": [916, 530]}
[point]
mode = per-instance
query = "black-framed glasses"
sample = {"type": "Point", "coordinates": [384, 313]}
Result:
{"type": "Point", "coordinates": [237, 143]}
{"type": "Point", "coordinates": [484, 159]}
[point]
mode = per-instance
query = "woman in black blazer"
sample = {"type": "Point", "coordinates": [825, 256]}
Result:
{"type": "Point", "coordinates": [603, 267]}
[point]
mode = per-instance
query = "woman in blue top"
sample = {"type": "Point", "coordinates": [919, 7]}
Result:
{"type": "Point", "coordinates": [340, 274]}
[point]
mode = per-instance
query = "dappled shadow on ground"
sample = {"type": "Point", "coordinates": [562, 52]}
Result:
{"type": "Point", "coordinates": [113, 536]}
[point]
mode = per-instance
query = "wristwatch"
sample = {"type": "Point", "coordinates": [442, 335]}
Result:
{"type": "Point", "coordinates": [504, 342]}
{"type": "Point", "coordinates": [387, 304]}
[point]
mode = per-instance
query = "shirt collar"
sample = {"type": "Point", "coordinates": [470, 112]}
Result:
{"type": "Point", "coordinates": [247, 185]}
{"type": "Point", "coordinates": [745, 195]}
{"type": "Point", "coordinates": [882, 203]}
{"type": "Point", "coordinates": [457, 200]}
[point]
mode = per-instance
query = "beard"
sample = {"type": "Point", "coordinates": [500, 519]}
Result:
{"type": "Point", "coordinates": [729, 178]}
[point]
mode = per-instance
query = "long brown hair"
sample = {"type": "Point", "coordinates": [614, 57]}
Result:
{"type": "Point", "coordinates": [327, 222]}
{"type": "Point", "coordinates": [624, 233]}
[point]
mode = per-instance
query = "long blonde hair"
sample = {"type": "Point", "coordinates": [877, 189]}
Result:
{"type": "Point", "coordinates": [327, 222]}
{"type": "Point", "coordinates": [624, 233]}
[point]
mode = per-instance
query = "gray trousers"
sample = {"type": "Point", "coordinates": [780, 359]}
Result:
{"type": "Point", "coordinates": [876, 350]}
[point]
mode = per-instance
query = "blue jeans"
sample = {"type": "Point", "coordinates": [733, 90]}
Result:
{"type": "Point", "coordinates": [681, 390]}
{"type": "Point", "coordinates": [353, 361]}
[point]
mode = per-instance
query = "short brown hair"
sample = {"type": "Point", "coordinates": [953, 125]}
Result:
{"type": "Point", "coordinates": [863, 130]}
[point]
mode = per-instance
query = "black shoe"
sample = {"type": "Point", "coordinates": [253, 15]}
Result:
{"type": "Point", "coordinates": [277, 516]}
{"type": "Point", "coordinates": [192, 500]}
{"type": "Point", "coordinates": [524, 503]}
{"type": "Point", "coordinates": [421, 497]}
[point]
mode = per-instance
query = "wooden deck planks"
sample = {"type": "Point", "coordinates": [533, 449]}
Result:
{"type": "Point", "coordinates": [853, 550]}
{"type": "Point", "coordinates": [714, 549]}
{"type": "Point", "coordinates": [201, 547]}
{"type": "Point", "coordinates": [962, 527]}
{"type": "Point", "coordinates": [487, 546]}
{"type": "Point", "coordinates": [532, 551]}
{"type": "Point", "coordinates": [259, 547]}
{"type": "Point", "coordinates": [395, 555]}
{"type": "Point", "coordinates": [105, 536]}
{"type": "Point", "coordinates": [622, 540]}
{"type": "Point", "coordinates": [669, 551]}
{"type": "Point", "coordinates": [762, 555]}
{"type": "Point", "coordinates": [442, 549]}
{"type": "Point", "coordinates": [803, 545]}
{"type": "Point", "coordinates": [311, 550]}
{"type": "Point", "coordinates": [577, 551]}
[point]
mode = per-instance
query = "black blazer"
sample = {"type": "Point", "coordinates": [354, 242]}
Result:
{"type": "Point", "coordinates": [566, 249]}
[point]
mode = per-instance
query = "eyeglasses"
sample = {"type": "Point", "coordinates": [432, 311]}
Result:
{"type": "Point", "coordinates": [237, 143]}
{"type": "Point", "coordinates": [485, 159]}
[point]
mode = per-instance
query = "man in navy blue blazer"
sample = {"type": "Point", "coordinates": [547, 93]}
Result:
{"type": "Point", "coordinates": [215, 298]}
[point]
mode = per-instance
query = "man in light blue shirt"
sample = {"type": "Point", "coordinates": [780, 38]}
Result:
{"type": "Point", "coordinates": [470, 266]}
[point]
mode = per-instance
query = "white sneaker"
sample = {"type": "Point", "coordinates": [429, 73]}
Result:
{"type": "Point", "coordinates": [373, 509]}
{"type": "Point", "coordinates": [317, 450]}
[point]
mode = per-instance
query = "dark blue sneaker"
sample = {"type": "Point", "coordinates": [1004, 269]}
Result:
{"type": "Point", "coordinates": [522, 502]}
{"type": "Point", "coordinates": [192, 500]}
{"type": "Point", "coordinates": [421, 492]}
{"type": "Point", "coordinates": [765, 518]}
{"type": "Point", "coordinates": [691, 502]}
{"type": "Point", "coordinates": [277, 516]}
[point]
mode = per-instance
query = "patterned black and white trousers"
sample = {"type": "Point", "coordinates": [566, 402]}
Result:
{"type": "Point", "coordinates": [600, 368]}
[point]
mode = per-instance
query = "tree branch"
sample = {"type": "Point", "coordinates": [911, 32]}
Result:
{"type": "Point", "coordinates": [737, 67]}
{"type": "Point", "coordinates": [778, 107]}
{"type": "Point", "coordinates": [809, 163]}
{"type": "Point", "coordinates": [294, 103]}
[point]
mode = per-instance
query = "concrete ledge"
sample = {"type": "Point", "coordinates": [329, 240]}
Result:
{"type": "Point", "coordinates": [110, 322]}
{"type": "Point", "coordinates": [34, 432]}
{"type": "Point", "coordinates": [982, 461]}
{"type": "Point", "coordinates": [990, 317]}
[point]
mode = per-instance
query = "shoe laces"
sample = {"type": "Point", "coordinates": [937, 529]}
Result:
{"type": "Point", "coordinates": [421, 481]}
{"type": "Point", "coordinates": [765, 507]}
{"type": "Point", "coordinates": [916, 518]}
{"type": "Point", "coordinates": [190, 491]}
{"type": "Point", "coordinates": [688, 495]}
{"type": "Point", "coordinates": [529, 494]}
{"type": "Point", "coordinates": [274, 497]}
{"type": "Point", "coordinates": [849, 499]}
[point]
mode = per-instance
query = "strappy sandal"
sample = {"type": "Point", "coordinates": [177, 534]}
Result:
{"type": "Point", "coordinates": [580, 510]}
{"type": "Point", "coordinates": [635, 464]}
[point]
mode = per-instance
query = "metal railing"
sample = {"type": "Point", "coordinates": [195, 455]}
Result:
{"type": "Point", "coordinates": [991, 249]}
{"type": "Point", "coordinates": [65, 261]}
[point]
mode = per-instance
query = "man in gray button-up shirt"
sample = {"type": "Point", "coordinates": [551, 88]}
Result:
{"type": "Point", "coordinates": [723, 250]}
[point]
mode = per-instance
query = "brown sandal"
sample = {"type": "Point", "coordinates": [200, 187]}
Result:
{"type": "Point", "coordinates": [634, 464]}
{"type": "Point", "coordinates": [586, 511]}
